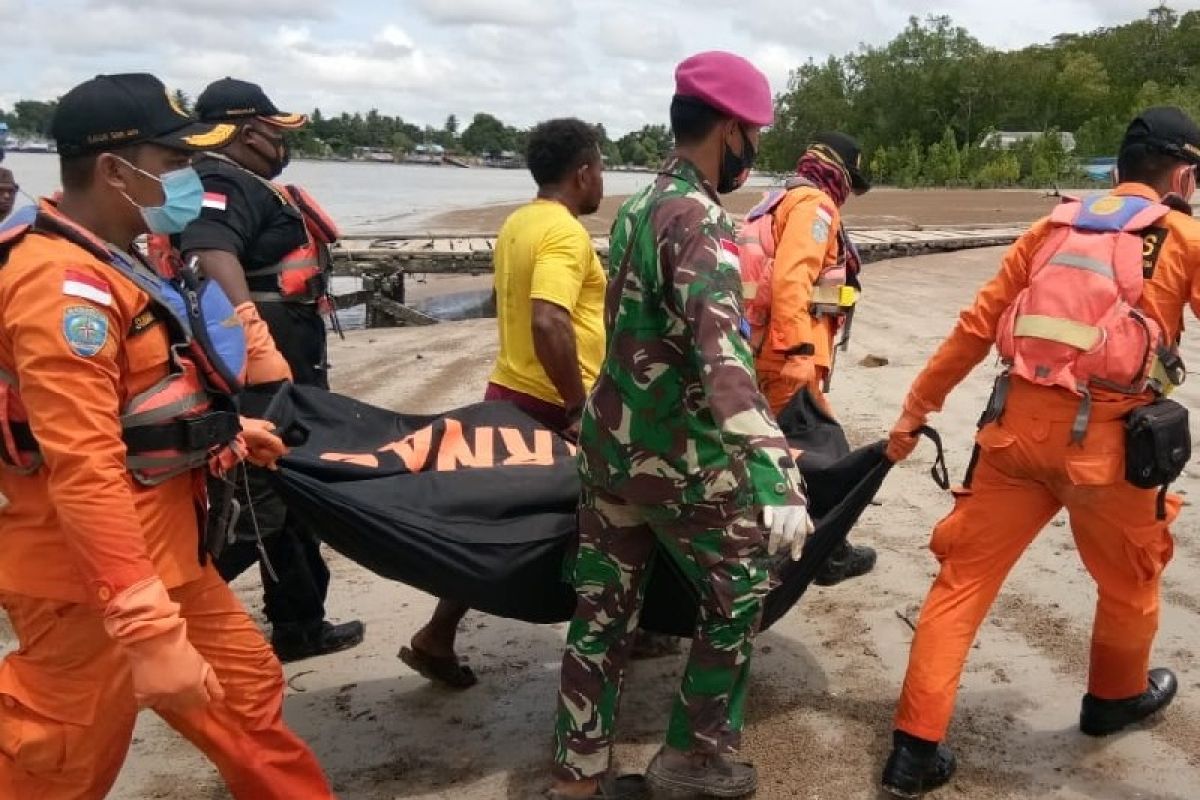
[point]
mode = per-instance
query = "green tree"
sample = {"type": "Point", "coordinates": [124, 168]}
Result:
{"type": "Point", "coordinates": [486, 134]}
{"type": "Point", "coordinates": [401, 143]}
{"type": "Point", "coordinates": [451, 126]}
{"type": "Point", "coordinates": [1099, 136]}
{"type": "Point", "coordinates": [943, 165]}
{"type": "Point", "coordinates": [32, 116]}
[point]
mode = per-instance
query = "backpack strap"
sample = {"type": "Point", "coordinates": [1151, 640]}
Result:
{"type": "Point", "coordinates": [770, 200]}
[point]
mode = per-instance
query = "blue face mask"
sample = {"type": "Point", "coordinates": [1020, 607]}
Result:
{"type": "Point", "coordinates": [183, 195]}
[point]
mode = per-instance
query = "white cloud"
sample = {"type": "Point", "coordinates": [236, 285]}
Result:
{"type": "Point", "coordinates": [221, 9]}
{"type": "Point", "coordinates": [536, 13]}
{"type": "Point", "coordinates": [640, 35]}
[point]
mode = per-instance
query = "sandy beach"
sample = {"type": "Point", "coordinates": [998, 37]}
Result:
{"type": "Point", "coordinates": [826, 677]}
{"type": "Point", "coordinates": [879, 208]}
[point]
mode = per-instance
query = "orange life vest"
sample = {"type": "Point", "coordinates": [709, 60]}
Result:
{"type": "Point", "coordinates": [182, 421]}
{"type": "Point", "coordinates": [834, 293]}
{"type": "Point", "coordinates": [1077, 324]}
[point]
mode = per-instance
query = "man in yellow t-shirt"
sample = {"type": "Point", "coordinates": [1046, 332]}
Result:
{"type": "Point", "coordinates": [550, 309]}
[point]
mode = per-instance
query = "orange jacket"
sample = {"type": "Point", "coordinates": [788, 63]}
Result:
{"type": "Point", "coordinates": [79, 529]}
{"type": "Point", "coordinates": [1175, 253]}
{"type": "Point", "coordinates": [806, 243]}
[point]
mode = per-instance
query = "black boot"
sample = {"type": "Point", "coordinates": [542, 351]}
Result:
{"type": "Point", "coordinates": [294, 643]}
{"type": "Point", "coordinates": [847, 562]}
{"type": "Point", "coordinates": [1102, 717]}
{"type": "Point", "coordinates": [916, 766]}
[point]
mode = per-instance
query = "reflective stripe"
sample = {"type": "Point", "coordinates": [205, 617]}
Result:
{"type": "Point", "coordinates": [153, 470]}
{"type": "Point", "coordinates": [1083, 262]}
{"type": "Point", "coordinates": [1066, 331]}
{"type": "Point", "coordinates": [166, 413]}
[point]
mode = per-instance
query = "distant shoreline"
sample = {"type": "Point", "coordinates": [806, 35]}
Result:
{"type": "Point", "coordinates": [882, 208]}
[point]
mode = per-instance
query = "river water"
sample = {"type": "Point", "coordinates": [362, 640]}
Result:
{"type": "Point", "coordinates": [365, 197]}
{"type": "Point", "coordinates": [368, 197]}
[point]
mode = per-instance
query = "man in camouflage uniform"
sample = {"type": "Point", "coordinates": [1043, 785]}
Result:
{"type": "Point", "coordinates": [678, 450]}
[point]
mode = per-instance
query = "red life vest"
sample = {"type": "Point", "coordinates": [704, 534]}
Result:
{"type": "Point", "coordinates": [301, 275]}
{"type": "Point", "coordinates": [183, 420]}
{"type": "Point", "coordinates": [835, 291]}
{"type": "Point", "coordinates": [1077, 324]}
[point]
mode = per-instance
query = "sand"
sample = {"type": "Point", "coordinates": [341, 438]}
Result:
{"type": "Point", "coordinates": [826, 677]}
{"type": "Point", "coordinates": [880, 208]}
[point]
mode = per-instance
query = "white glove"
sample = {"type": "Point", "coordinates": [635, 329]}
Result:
{"type": "Point", "coordinates": [789, 527]}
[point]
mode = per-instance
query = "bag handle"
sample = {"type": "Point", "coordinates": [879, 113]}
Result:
{"type": "Point", "coordinates": [939, 473]}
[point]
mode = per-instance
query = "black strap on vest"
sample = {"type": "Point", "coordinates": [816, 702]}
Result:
{"type": "Point", "coordinates": [191, 435]}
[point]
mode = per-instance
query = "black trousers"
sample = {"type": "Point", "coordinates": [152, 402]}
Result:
{"type": "Point", "coordinates": [297, 597]}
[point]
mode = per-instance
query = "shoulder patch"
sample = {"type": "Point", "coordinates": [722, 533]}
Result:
{"type": "Point", "coordinates": [85, 329]}
{"type": "Point", "coordinates": [820, 230]}
{"type": "Point", "coordinates": [1153, 239]}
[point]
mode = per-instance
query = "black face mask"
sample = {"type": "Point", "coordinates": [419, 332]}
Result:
{"type": "Point", "coordinates": [734, 168]}
{"type": "Point", "coordinates": [280, 156]}
{"type": "Point", "coordinates": [285, 155]}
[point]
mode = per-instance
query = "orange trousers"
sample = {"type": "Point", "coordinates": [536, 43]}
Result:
{"type": "Point", "coordinates": [67, 709]}
{"type": "Point", "coordinates": [1027, 472]}
{"type": "Point", "coordinates": [779, 391]}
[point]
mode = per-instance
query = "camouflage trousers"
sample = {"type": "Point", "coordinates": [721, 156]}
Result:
{"type": "Point", "coordinates": [724, 555]}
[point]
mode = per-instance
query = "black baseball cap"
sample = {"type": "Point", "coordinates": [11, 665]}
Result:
{"type": "Point", "coordinates": [850, 154]}
{"type": "Point", "coordinates": [1167, 129]}
{"type": "Point", "coordinates": [114, 111]}
{"type": "Point", "coordinates": [230, 100]}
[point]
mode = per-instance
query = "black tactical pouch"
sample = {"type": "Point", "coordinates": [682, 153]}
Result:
{"type": "Point", "coordinates": [1158, 445]}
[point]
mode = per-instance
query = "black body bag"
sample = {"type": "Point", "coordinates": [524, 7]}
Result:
{"type": "Point", "coordinates": [1158, 445]}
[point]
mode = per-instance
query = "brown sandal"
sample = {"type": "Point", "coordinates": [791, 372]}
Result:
{"type": "Point", "coordinates": [444, 670]}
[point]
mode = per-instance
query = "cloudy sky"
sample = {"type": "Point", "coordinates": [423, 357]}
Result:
{"type": "Point", "coordinates": [608, 61]}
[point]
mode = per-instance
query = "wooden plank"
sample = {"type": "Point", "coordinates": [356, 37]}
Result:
{"type": "Point", "coordinates": [402, 314]}
{"type": "Point", "coordinates": [865, 238]}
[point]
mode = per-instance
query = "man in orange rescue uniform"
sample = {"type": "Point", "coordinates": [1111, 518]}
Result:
{"type": "Point", "coordinates": [1044, 446]}
{"type": "Point", "coordinates": [101, 569]}
{"type": "Point", "coordinates": [801, 271]}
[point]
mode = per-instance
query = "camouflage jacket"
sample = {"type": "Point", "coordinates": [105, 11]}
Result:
{"type": "Point", "coordinates": [676, 416]}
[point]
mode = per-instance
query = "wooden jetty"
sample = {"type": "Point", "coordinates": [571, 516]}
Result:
{"type": "Point", "coordinates": [382, 260]}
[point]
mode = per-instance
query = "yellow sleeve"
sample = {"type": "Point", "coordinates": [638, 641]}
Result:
{"type": "Point", "coordinates": [561, 263]}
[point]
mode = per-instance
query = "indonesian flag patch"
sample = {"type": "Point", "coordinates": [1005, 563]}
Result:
{"type": "Point", "coordinates": [88, 287]}
{"type": "Point", "coordinates": [731, 253]}
{"type": "Point", "coordinates": [214, 200]}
